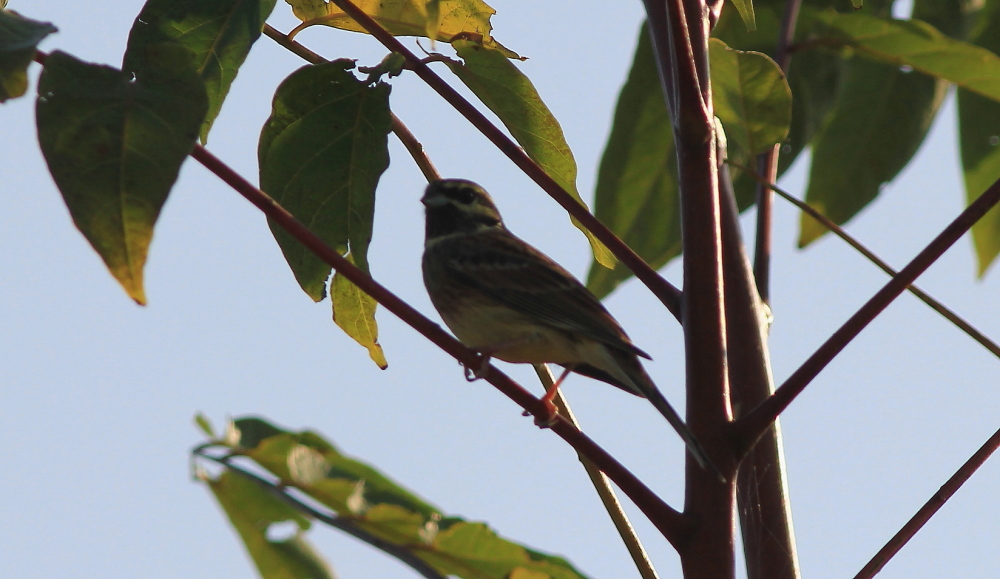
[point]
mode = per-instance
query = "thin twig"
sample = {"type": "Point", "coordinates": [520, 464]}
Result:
{"type": "Point", "coordinates": [399, 129]}
{"type": "Point", "coordinates": [603, 486]}
{"type": "Point", "coordinates": [767, 164]}
{"type": "Point", "coordinates": [415, 149]}
{"type": "Point", "coordinates": [751, 427]}
{"type": "Point", "coordinates": [674, 526]}
{"type": "Point", "coordinates": [661, 288]}
{"type": "Point", "coordinates": [293, 46]}
{"type": "Point", "coordinates": [404, 555]}
{"type": "Point", "coordinates": [839, 231]}
{"type": "Point", "coordinates": [930, 508]}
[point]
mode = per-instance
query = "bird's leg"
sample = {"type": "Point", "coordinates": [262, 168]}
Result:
{"type": "Point", "coordinates": [549, 418]}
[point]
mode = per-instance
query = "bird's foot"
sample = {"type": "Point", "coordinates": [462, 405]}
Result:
{"type": "Point", "coordinates": [473, 374]}
{"type": "Point", "coordinates": [549, 417]}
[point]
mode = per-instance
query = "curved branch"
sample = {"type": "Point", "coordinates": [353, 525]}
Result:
{"type": "Point", "coordinates": [748, 429]}
{"type": "Point", "coordinates": [674, 526]}
{"type": "Point", "coordinates": [669, 295]}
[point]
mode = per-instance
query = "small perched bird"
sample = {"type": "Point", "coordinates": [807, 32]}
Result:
{"type": "Point", "coordinates": [505, 299]}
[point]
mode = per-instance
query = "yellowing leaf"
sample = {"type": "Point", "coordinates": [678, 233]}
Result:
{"type": "Point", "coordinates": [354, 312]}
{"type": "Point", "coordinates": [442, 20]}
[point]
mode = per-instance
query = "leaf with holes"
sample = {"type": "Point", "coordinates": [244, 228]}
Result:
{"type": "Point", "coordinates": [380, 507]}
{"type": "Point", "coordinates": [253, 512]}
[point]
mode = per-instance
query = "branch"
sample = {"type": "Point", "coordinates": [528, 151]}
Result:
{"type": "Point", "coordinates": [930, 508]}
{"type": "Point", "coordinates": [679, 30]}
{"type": "Point", "coordinates": [661, 288]}
{"type": "Point", "coordinates": [415, 149]}
{"type": "Point", "coordinates": [404, 555]}
{"type": "Point", "coordinates": [603, 486]}
{"type": "Point", "coordinates": [674, 525]}
{"type": "Point", "coordinates": [754, 424]}
{"type": "Point", "coordinates": [761, 486]}
{"type": "Point", "coordinates": [767, 164]}
{"type": "Point", "coordinates": [839, 231]}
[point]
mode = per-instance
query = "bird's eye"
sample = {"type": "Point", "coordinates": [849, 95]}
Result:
{"type": "Point", "coordinates": [464, 195]}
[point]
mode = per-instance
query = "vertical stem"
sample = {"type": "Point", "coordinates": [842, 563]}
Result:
{"type": "Point", "coordinates": [679, 30]}
{"type": "Point", "coordinates": [761, 484]}
{"type": "Point", "coordinates": [761, 488]}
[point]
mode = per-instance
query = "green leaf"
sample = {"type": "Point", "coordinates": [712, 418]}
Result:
{"type": "Point", "coordinates": [444, 20]}
{"type": "Point", "coordinates": [636, 194]}
{"type": "Point", "coordinates": [114, 147]}
{"type": "Point", "coordinates": [915, 44]}
{"type": "Point", "coordinates": [219, 33]}
{"type": "Point", "coordinates": [252, 510]}
{"type": "Point", "coordinates": [354, 312]}
{"type": "Point", "coordinates": [745, 8]}
{"type": "Point", "coordinates": [19, 37]}
{"type": "Point", "coordinates": [812, 77]}
{"type": "Point", "coordinates": [751, 97]}
{"type": "Point", "coordinates": [321, 155]}
{"type": "Point", "coordinates": [512, 97]}
{"type": "Point", "coordinates": [378, 505]}
{"type": "Point", "coordinates": [879, 121]}
{"type": "Point", "coordinates": [979, 137]}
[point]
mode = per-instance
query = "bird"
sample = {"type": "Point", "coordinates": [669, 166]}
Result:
{"type": "Point", "coordinates": [505, 299]}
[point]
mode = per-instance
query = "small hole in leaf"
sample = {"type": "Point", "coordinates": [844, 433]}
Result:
{"type": "Point", "coordinates": [994, 140]}
{"type": "Point", "coordinates": [906, 69]}
{"type": "Point", "coordinates": [282, 531]}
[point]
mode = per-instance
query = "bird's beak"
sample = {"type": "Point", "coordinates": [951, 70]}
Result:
{"type": "Point", "coordinates": [433, 200]}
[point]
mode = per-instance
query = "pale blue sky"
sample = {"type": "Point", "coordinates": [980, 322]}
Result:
{"type": "Point", "coordinates": [97, 394]}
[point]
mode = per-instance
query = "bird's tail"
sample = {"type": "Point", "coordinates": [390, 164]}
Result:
{"type": "Point", "coordinates": [668, 412]}
{"type": "Point", "coordinates": [643, 385]}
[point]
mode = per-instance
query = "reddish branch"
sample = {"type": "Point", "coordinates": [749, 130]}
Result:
{"type": "Point", "coordinates": [679, 29]}
{"type": "Point", "coordinates": [661, 288]}
{"type": "Point", "coordinates": [767, 164]}
{"type": "Point", "coordinates": [931, 507]}
{"type": "Point", "coordinates": [762, 493]}
{"type": "Point", "coordinates": [675, 526]}
{"type": "Point", "coordinates": [750, 428]}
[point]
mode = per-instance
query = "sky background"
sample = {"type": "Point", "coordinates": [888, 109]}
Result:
{"type": "Point", "coordinates": [97, 394]}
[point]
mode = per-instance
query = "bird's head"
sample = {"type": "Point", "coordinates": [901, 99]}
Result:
{"type": "Point", "coordinates": [457, 206]}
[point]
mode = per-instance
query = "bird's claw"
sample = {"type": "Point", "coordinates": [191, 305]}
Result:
{"type": "Point", "coordinates": [548, 418]}
{"type": "Point", "coordinates": [473, 374]}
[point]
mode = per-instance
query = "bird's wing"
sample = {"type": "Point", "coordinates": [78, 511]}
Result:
{"type": "Point", "coordinates": [516, 274]}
